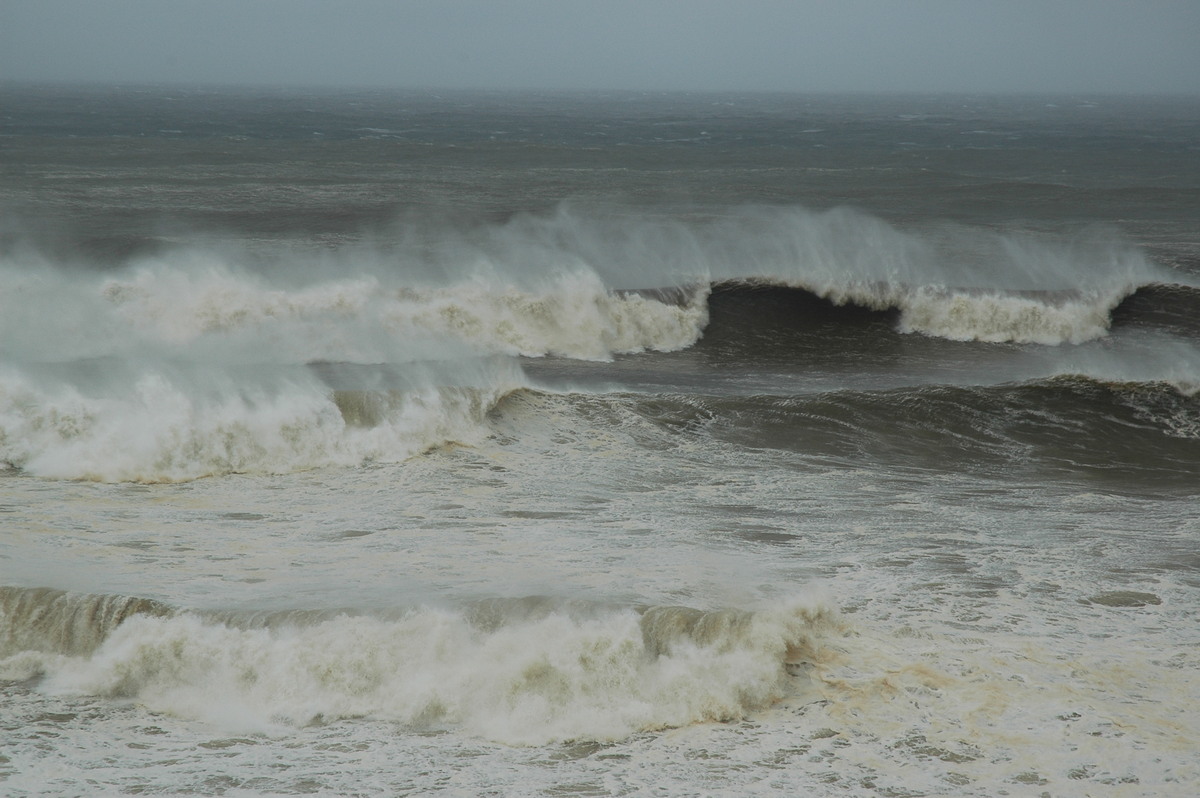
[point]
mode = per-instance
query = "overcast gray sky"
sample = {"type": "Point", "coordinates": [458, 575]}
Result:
{"type": "Point", "coordinates": [788, 45]}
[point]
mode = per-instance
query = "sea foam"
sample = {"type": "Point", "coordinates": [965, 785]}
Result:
{"type": "Point", "coordinates": [531, 679]}
{"type": "Point", "coordinates": [170, 425]}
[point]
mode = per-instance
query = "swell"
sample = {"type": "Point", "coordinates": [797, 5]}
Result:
{"type": "Point", "coordinates": [113, 420]}
{"type": "Point", "coordinates": [1137, 436]}
{"type": "Point", "coordinates": [521, 671]}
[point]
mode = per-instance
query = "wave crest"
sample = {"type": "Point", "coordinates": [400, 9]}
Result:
{"type": "Point", "coordinates": [170, 425]}
{"type": "Point", "coordinates": [998, 318]}
{"type": "Point", "coordinates": [558, 674]}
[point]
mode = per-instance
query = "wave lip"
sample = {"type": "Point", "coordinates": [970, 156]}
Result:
{"type": "Point", "coordinates": [994, 317]}
{"type": "Point", "coordinates": [44, 619]}
{"type": "Point", "coordinates": [572, 316]}
{"type": "Point", "coordinates": [524, 678]}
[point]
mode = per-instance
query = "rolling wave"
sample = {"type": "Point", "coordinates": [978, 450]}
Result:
{"type": "Point", "coordinates": [122, 420]}
{"type": "Point", "coordinates": [522, 671]}
{"type": "Point", "coordinates": [200, 361]}
{"type": "Point", "coordinates": [576, 283]}
{"type": "Point", "coordinates": [1130, 436]}
{"type": "Point", "coordinates": [170, 423]}
{"type": "Point", "coordinates": [753, 307]}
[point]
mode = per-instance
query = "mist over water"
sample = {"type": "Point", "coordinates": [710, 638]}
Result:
{"type": "Point", "coordinates": [597, 443]}
{"type": "Point", "coordinates": [194, 355]}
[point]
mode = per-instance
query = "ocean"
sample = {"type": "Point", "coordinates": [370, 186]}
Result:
{"type": "Point", "coordinates": [373, 442]}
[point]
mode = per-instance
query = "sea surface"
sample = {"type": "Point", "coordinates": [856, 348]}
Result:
{"type": "Point", "coordinates": [406, 443]}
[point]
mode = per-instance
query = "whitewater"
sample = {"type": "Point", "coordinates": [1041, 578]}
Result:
{"type": "Point", "coordinates": [827, 452]}
{"type": "Point", "coordinates": [191, 364]}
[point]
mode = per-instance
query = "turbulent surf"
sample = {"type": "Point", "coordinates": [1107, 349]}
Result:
{"type": "Point", "coordinates": [503, 443]}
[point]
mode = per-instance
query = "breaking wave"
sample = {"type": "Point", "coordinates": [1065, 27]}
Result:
{"type": "Point", "coordinates": [193, 362]}
{"type": "Point", "coordinates": [522, 671]}
{"type": "Point", "coordinates": [168, 424]}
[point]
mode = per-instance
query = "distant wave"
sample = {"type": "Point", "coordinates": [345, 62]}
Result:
{"type": "Point", "coordinates": [960, 314]}
{"type": "Point", "coordinates": [965, 314]}
{"type": "Point", "coordinates": [196, 361]}
{"type": "Point", "coordinates": [521, 671]}
{"type": "Point", "coordinates": [203, 306]}
{"type": "Point", "coordinates": [574, 282]}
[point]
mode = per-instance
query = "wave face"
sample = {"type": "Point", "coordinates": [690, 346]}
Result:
{"type": "Point", "coordinates": [525, 671]}
{"type": "Point", "coordinates": [41, 619]}
{"type": "Point", "coordinates": [1145, 434]}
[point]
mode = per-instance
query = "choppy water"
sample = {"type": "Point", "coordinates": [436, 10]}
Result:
{"type": "Point", "coordinates": [573, 445]}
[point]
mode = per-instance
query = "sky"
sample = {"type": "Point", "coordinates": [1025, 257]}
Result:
{"type": "Point", "coordinates": [1120, 46]}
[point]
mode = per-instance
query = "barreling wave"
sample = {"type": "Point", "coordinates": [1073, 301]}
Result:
{"type": "Point", "coordinates": [962, 314]}
{"type": "Point", "coordinates": [948, 281]}
{"type": "Point", "coordinates": [195, 362]}
{"type": "Point", "coordinates": [569, 283]}
{"type": "Point", "coordinates": [777, 327]}
{"type": "Point", "coordinates": [188, 365]}
{"type": "Point", "coordinates": [521, 671]}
